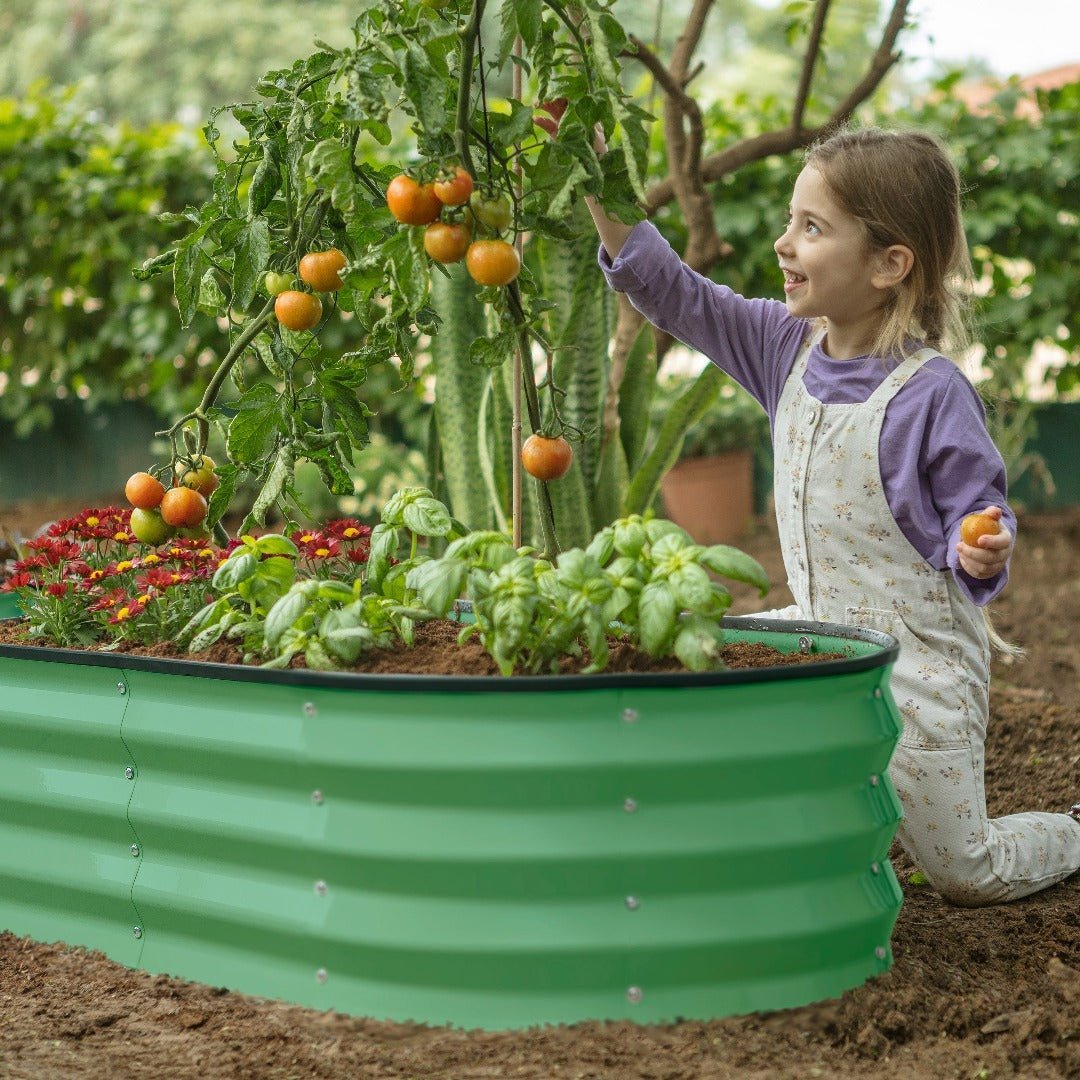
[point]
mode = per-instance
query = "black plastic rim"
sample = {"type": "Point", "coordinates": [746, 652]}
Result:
{"type": "Point", "coordinates": [887, 652]}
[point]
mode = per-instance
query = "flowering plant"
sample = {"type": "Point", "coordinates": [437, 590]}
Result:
{"type": "Point", "coordinates": [88, 580]}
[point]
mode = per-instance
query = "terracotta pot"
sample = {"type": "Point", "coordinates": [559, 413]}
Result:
{"type": "Point", "coordinates": [712, 498]}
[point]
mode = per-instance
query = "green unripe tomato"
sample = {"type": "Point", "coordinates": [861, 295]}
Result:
{"type": "Point", "coordinates": [492, 211]}
{"type": "Point", "coordinates": [276, 283]}
{"type": "Point", "coordinates": [435, 5]}
{"type": "Point", "coordinates": [148, 527]}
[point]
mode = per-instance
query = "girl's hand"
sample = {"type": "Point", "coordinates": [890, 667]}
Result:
{"type": "Point", "coordinates": [991, 554]}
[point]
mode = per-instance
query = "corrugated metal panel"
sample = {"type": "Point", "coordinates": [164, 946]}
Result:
{"type": "Point", "coordinates": [66, 867]}
{"type": "Point", "coordinates": [504, 859]}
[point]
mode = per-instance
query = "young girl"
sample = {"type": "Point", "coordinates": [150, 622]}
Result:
{"type": "Point", "coordinates": [881, 449]}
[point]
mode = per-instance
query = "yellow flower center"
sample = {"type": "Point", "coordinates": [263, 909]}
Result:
{"type": "Point", "coordinates": [124, 613]}
{"type": "Point", "coordinates": [151, 559]}
{"type": "Point", "coordinates": [121, 536]}
{"type": "Point", "coordinates": [322, 551]}
{"type": "Point", "coordinates": [306, 538]}
{"type": "Point", "coordinates": [122, 566]}
{"type": "Point", "coordinates": [350, 532]}
{"type": "Point", "coordinates": [92, 521]}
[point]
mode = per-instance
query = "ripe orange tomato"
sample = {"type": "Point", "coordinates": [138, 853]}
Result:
{"type": "Point", "coordinates": [446, 242]}
{"type": "Point", "coordinates": [320, 269]}
{"type": "Point", "coordinates": [976, 525]}
{"type": "Point", "coordinates": [144, 491]}
{"type": "Point", "coordinates": [183, 507]}
{"type": "Point", "coordinates": [492, 262]}
{"type": "Point", "coordinates": [412, 203]}
{"type": "Point", "coordinates": [200, 476]}
{"type": "Point", "coordinates": [148, 527]}
{"type": "Point", "coordinates": [546, 459]}
{"type": "Point", "coordinates": [297, 310]}
{"type": "Point", "coordinates": [456, 189]}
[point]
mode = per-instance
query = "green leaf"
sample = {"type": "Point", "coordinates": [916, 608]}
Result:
{"type": "Point", "coordinates": [331, 168]}
{"type": "Point", "coordinates": [438, 583]}
{"type": "Point", "coordinates": [425, 89]}
{"type": "Point", "coordinates": [280, 473]}
{"type": "Point", "coordinates": [256, 425]}
{"type": "Point", "coordinates": [188, 269]}
{"type": "Point", "coordinates": [732, 563]}
{"type": "Point", "coordinates": [656, 617]}
{"type": "Point", "coordinates": [284, 614]}
{"type": "Point", "coordinates": [276, 544]}
{"type": "Point", "coordinates": [427, 516]}
{"type": "Point", "coordinates": [264, 183]}
{"type": "Point", "coordinates": [250, 260]}
{"type": "Point", "coordinates": [239, 566]}
{"type": "Point", "coordinates": [493, 351]}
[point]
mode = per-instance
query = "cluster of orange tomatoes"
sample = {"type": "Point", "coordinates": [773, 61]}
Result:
{"type": "Point", "coordinates": [490, 260]}
{"type": "Point", "coordinates": [158, 512]}
{"type": "Point", "coordinates": [299, 310]}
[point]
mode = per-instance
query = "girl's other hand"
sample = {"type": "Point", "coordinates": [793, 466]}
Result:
{"type": "Point", "coordinates": [990, 554]}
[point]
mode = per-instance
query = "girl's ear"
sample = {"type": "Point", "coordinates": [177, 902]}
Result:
{"type": "Point", "coordinates": [891, 266]}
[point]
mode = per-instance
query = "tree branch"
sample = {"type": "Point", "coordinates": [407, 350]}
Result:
{"type": "Point", "coordinates": [813, 49]}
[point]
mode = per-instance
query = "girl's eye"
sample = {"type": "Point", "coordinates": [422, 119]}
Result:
{"type": "Point", "coordinates": [812, 228]}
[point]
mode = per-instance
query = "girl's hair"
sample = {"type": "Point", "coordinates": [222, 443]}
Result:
{"type": "Point", "coordinates": [905, 189]}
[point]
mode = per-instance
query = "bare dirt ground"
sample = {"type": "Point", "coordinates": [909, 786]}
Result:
{"type": "Point", "coordinates": [973, 994]}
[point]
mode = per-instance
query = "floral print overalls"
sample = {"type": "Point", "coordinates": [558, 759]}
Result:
{"type": "Point", "coordinates": [849, 563]}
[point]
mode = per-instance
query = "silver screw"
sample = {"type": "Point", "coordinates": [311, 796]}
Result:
{"type": "Point", "coordinates": [129, 772]}
{"type": "Point", "coordinates": [880, 952]}
{"type": "Point", "coordinates": [309, 708]}
{"type": "Point", "coordinates": [629, 716]}
{"type": "Point", "coordinates": [320, 975]}
{"type": "Point", "coordinates": [875, 868]}
{"type": "Point", "coordinates": [874, 780]}
{"type": "Point", "coordinates": [137, 931]}
{"type": "Point", "coordinates": [317, 796]}
{"type": "Point", "coordinates": [632, 903]}
{"type": "Point", "coordinates": [634, 994]}
{"type": "Point", "coordinates": [135, 851]}
{"type": "Point", "coordinates": [805, 644]}
{"type": "Point", "coordinates": [877, 691]}
{"type": "Point", "coordinates": [629, 805]}
{"type": "Point", "coordinates": [121, 688]}
{"type": "Point", "coordinates": [320, 888]}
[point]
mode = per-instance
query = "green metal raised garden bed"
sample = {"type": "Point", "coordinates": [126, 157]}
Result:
{"type": "Point", "coordinates": [482, 852]}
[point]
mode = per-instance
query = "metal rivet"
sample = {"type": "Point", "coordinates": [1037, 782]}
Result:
{"type": "Point", "coordinates": [137, 931]}
{"type": "Point", "coordinates": [632, 903]}
{"type": "Point", "coordinates": [320, 888]}
{"type": "Point", "coordinates": [309, 708]}
{"type": "Point", "coordinates": [129, 772]}
{"type": "Point", "coordinates": [874, 781]}
{"type": "Point", "coordinates": [121, 688]}
{"type": "Point", "coordinates": [875, 868]}
{"type": "Point", "coordinates": [629, 715]}
{"type": "Point", "coordinates": [877, 691]}
{"type": "Point", "coordinates": [316, 796]}
{"type": "Point", "coordinates": [629, 805]}
{"type": "Point", "coordinates": [634, 994]}
{"type": "Point", "coordinates": [880, 952]}
{"type": "Point", "coordinates": [320, 975]}
{"type": "Point", "coordinates": [135, 850]}
{"type": "Point", "coordinates": [806, 644]}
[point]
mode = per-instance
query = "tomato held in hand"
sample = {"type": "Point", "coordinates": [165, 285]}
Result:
{"type": "Point", "coordinates": [445, 242]}
{"type": "Point", "coordinates": [492, 262]}
{"type": "Point", "coordinates": [546, 459]}
{"type": "Point", "coordinates": [456, 189]}
{"type": "Point", "coordinates": [490, 210]}
{"type": "Point", "coordinates": [297, 310]}
{"type": "Point", "coordinates": [200, 475]}
{"type": "Point", "coordinates": [183, 507]}
{"type": "Point", "coordinates": [412, 203]}
{"type": "Point", "coordinates": [148, 527]}
{"type": "Point", "coordinates": [976, 525]}
{"type": "Point", "coordinates": [320, 269]}
{"type": "Point", "coordinates": [144, 491]}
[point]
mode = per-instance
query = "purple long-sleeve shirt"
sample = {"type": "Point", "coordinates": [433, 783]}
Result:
{"type": "Point", "coordinates": [936, 457]}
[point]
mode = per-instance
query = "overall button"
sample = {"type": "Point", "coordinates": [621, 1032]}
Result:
{"type": "Point", "coordinates": [813, 416]}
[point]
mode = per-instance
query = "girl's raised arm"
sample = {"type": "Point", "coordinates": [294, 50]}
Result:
{"type": "Point", "coordinates": [613, 233]}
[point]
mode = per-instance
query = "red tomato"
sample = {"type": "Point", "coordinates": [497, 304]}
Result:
{"type": "Point", "coordinates": [546, 459]}
{"type": "Point", "coordinates": [183, 507]}
{"type": "Point", "coordinates": [297, 310]}
{"type": "Point", "coordinates": [320, 269]}
{"type": "Point", "coordinates": [144, 491]}
{"type": "Point", "coordinates": [445, 242]}
{"type": "Point", "coordinates": [456, 189]}
{"type": "Point", "coordinates": [492, 262]}
{"type": "Point", "coordinates": [412, 203]}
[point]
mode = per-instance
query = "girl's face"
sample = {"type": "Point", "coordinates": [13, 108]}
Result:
{"type": "Point", "coordinates": [829, 270]}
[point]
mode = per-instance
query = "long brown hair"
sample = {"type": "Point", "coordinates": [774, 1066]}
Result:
{"type": "Point", "coordinates": [904, 188]}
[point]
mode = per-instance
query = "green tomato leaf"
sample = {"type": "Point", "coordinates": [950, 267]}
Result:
{"type": "Point", "coordinates": [250, 260]}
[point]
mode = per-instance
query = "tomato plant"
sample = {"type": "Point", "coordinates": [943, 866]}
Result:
{"type": "Point", "coordinates": [297, 310]}
{"type": "Point", "coordinates": [447, 242]}
{"type": "Point", "coordinates": [321, 269]}
{"type": "Point", "coordinates": [546, 458]}
{"type": "Point", "coordinates": [492, 262]}
{"type": "Point", "coordinates": [455, 189]}
{"type": "Point", "coordinates": [144, 490]}
{"type": "Point", "coordinates": [411, 202]}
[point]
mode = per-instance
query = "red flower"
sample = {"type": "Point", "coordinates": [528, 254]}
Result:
{"type": "Point", "coordinates": [20, 580]}
{"type": "Point", "coordinates": [57, 588]}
